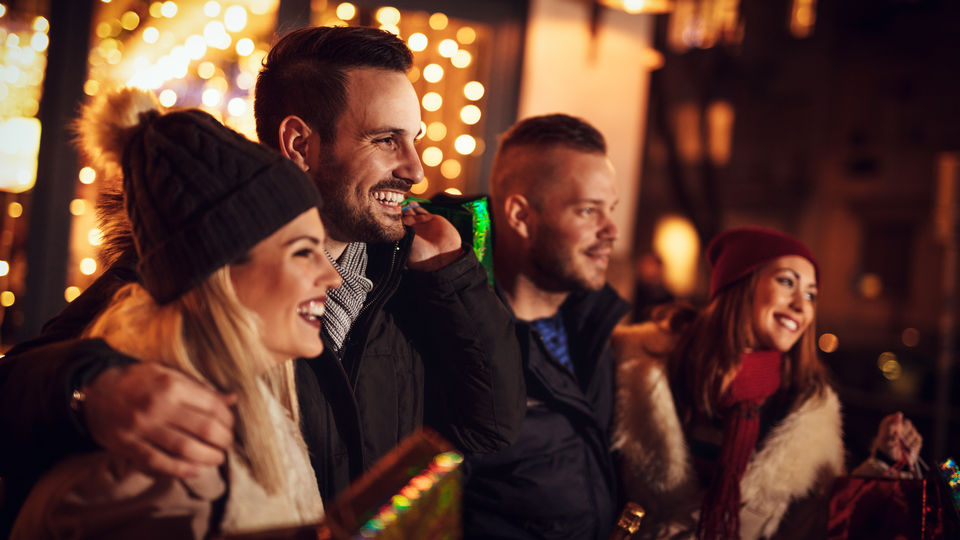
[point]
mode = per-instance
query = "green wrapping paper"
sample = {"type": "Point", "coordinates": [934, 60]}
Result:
{"type": "Point", "coordinates": [471, 217]}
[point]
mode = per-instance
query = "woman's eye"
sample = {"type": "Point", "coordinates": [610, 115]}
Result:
{"type": "Point", "coordinates": [306, 252]}
{"type": "Point", "coordinates": [811, 296]}
{"type": "Point", "coordinates": [785, 281]}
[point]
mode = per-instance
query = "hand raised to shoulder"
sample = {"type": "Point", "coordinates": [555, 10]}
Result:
{"type": "Point", "coordinates": [437, 242]}
{"type": "Point", "coordinates": [159, 418]}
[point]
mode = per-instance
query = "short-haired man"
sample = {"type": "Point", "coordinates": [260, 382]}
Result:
{"type": "Point", "coordinates": [552, 195]}
{"type": "Point", "coordinates": [403, 344]}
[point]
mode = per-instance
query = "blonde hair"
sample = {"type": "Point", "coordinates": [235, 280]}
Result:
{"type": "Point", "coordinates": [210, 336]}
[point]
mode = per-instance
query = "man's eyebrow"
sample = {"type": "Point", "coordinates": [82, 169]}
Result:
{"type": "Point", "coordinates": [385, 130]}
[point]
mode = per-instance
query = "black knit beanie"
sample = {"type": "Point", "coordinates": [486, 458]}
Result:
{"type": "Point", "coordinates": [200, 196]}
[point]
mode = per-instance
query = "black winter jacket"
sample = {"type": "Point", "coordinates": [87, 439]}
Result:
{"type": "Point", "coordinates": [557, 480]}
{"type": "Point", "coordinates": [417, 354]}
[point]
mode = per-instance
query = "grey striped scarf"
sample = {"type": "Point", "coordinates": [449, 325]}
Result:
{"type": "Point", "coordinates": [344, 303]}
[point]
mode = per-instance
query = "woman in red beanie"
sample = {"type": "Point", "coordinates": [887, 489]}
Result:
{"type": "Point", "coordinates": [726, 418]}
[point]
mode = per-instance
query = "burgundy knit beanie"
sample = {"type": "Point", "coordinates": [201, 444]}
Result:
{"type": "Point", "coordinates": [735, 253]}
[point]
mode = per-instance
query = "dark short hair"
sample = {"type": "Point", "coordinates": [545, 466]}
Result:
{"type": "Point", "coordinates": [305, 74]}
{"type": "Point", "coordinates": [554, 130]}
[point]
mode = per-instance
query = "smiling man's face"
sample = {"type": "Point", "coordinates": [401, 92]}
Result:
{"type": "Point", "coordinates": [373, 163]}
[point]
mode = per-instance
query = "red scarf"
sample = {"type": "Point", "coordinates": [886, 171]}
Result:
{"type": "Point", "coordinates": [758, 379]}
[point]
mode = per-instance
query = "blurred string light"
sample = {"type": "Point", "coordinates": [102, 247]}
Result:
{"type": "Point", "coordinates": [191, 54]}
{"type": "Point", "coordinates": [803, 16]}
{"type": "Point", "coordinates": [703, 24]}
{"type": "Point", "coordinates": [889, 366]}
{"type": "Point", "coordinates": [910, 337]}
{"type": "Point", "coordinates": [828, 343]}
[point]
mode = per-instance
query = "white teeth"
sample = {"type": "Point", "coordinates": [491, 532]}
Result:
{"type": "Point", "coordinates": [788, 322]}
{"type": "Point", "coordinates": [312, 309]}
{"type": "Point", "coordinates": [389, 197]}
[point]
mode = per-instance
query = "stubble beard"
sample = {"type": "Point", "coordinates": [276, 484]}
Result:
{"type": "Point", "coordinates": [346, 222]}
{"type": "Point", "coordinates": [557, 270]}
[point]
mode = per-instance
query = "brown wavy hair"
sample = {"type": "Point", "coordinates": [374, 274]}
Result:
{"type": "Point", "coordinates": [711, 341]}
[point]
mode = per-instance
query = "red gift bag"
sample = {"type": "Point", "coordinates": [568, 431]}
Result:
{"type": "Point", "coordinates": [890, 508]}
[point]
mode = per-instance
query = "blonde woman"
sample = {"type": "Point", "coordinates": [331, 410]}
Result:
{"type": "Point", "coordinates": [233, 285]}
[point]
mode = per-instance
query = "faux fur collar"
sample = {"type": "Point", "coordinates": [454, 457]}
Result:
{"type": "Point", "coordinates": [797, 457]}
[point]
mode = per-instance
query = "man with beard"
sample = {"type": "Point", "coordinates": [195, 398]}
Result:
{"type": "Point", "coordinates": [553, 192]}
{"type": "Point", "coordinates": [404, 346]}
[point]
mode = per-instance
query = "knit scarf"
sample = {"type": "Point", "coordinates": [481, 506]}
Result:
{"type": "Point", "coordinates": [758, 379]}
{"type": "Point", "coordinates": [344, 303]}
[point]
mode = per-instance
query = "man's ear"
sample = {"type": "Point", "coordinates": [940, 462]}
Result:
{"type": "Point", "coordinates": [295, 141]}
{"type": "Point", "coordinates": [518, 212]}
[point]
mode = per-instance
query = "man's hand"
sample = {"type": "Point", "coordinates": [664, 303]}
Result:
{"type": "Point", "coordinates": [898, 438]}
{"type": "Point", "coordinates": [159, 418]}
{"type": "Point", "coordinates": [437, 242]}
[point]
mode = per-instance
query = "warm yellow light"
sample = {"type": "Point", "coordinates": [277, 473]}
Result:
{"type": "Point", "coordinates": [95, 237]}
{"type": "Point", "coordinates": [245, 47]}
{"type": "Point", "coordinates": [641, 6]}
{"type": "Point", "coordinates": [205, 70]}
{"type": "Point", "coordinates": [433, 73]}
{"type": "Point", "coordinates": [461, 59]}
{"type": "Point", "coordinates": [436, 131]}
{"type": "Point", "coordinates": [447, 48]}
{"type": "Point", "coordinates": [417, 42]}
{"type": "Point", "coordinates": [465, 144]}
{"type": "Point", "coordinates": [169, 9]}
{"type": "Point", "coordinates": [453, 191]}
{"type": "Point", "coordinates": [71, 293]}
{"type": "Point", "coordinates": [432, 156]}
{"type": "Point", "coordinates": [151, 34]}
{"type": "Point", "coordinates": [346, 11]}
{"type": "Point", "coordinates": [88, 266]}
{"type": "Point", "coordinates": [414, 74]}
{"type": "Point", "coordinates": [41, 24]}
{"type": "Point", "coordinates": [3, 10]}
{"type": "Point", "coordinates": [237, 106]}
{"type": "Point", "coordinates": [466, 35]}
{"type": "Point", "coordinates": [388, 15]}
{"type": "Point", "coordinates": [87, 175]}
{"type": "Point", "coordinates": [168, 98]}
{"type": "Point", "coordinates": [103, 30]}
{"type": "Point", "coordinates": [211, 8]}
{"type": "Point", "coordinates": [422, 132]}
{"type": "Point", "coordinates": [720, 116]}
{"type": "Point", "coordinates": [262, 7]}
{"type": "Point", "coordinates": [871, 286]}
{"type": "Point", "coordinates": [910, 337]}
{"type": "Point", "coordinates": [19, 145]}
{"type": "Point", "coordinates": [196, 47]}
{"type": "Point", "coordinates": [7, 299]}
{"type": "Point", "coordinates": [15, 210]}
{"type": "Point", "coordinates": [215, 35]}
{"type": "Point", "coordinates": [675, 240]}
{"type": "Point", "coordinates": [438, 21]}
{"type": "Point", "coordinates": [245, 80]}
{"type": "Point", "coordinates": [39, 42]}
{"type": "Point", "coordinates": [828, 343]}
{"type": "Point", "coordinates": [470, 114]}
{"type": "Point", "coordinates": [420, 188]}
{"type": "Point", "coordinates": [891, 369]}
{"type": "Point", "coordinates": [450, 169]}
{"type": "Point", "coordinates": [78, 207]}
{"type": "Point", "coordinates": [4, 268]}
{"type": "Point", "coordinates": [129, 20]}
{"type": "Point", "coordinates": [156, 10]}
{"type": "Point", "coordinates": [473, 90]}
{"type": "Point", "coordinates": [211, 97]}
{"type": "Point", "coordinates": [235, 19]}
{"type": "Point", "coordinates": [393, 29]}
{"type": "Point", "coordinates": [432, 101]}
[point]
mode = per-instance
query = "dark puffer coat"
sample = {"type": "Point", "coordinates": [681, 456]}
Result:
{"type": "Point", "coordinates": [558, 479]}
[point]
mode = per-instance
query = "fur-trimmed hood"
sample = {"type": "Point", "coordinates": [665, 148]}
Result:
{"type": "Point", "coordinates": [797, 458]}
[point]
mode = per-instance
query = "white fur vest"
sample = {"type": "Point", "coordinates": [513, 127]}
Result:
{"type": "Point", "coordinates": [798, 457]}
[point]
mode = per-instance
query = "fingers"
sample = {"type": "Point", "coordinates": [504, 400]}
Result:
{"type": "Point", "coordinates": [159, 418]}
